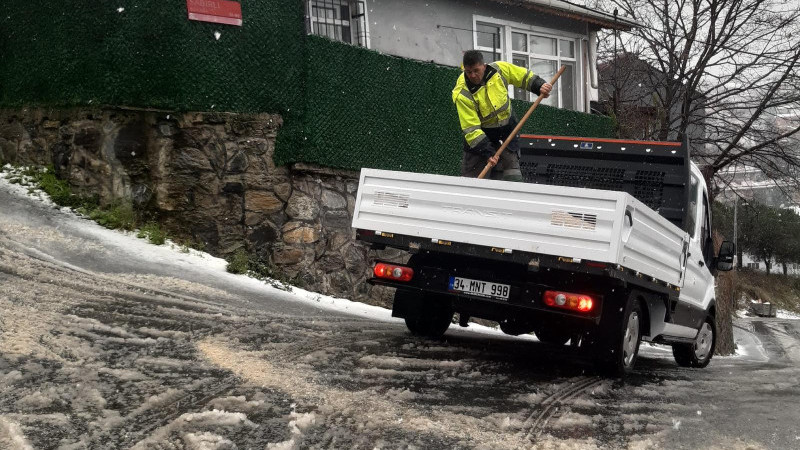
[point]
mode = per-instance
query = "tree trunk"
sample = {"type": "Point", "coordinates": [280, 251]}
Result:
{"type": "Point", "coordinates": [726, 306]}
{"type": "Point", "coordinates": [768, 264]}
{"type": "Point", "coordinates": [785, 269]}
{"type": "Point", "coordinates": [738, 256]}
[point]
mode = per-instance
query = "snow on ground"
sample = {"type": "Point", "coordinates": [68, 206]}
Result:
{"type": "Point", "coordinates": [171, 254]}
{"type": "Point", "coordinates": [781, 314]}
{"type": "Point", "coordinates": [748, 346]}
{"type": "Point", "coordinates": [152, 367]}
{"type": "Point", "coordinates": [8, 172]}
{"type": "Point", "coordinates": [14, 437]}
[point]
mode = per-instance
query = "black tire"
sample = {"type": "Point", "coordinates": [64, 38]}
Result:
{"type": "Point", "coordinates": [514, 328]}
{"type": "Point", "coordinates": [553, 337]}
{"type": "Point", "coordinates": [619, 347]}
{"type": "Point", "coordinates": [699, 353]}
{"type": "Point", "coordinates": [431, 317]}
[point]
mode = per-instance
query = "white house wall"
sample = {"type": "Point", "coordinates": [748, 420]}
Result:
{"type": "Point", "coordinates": [427, 30]}
{"type": "Point", "coordinates": [747, 260]}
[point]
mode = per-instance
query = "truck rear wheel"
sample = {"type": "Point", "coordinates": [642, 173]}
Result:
{"type": "Point", "coordinates": [699, 353]}
{"type": "Point", "coordinates": [551, 336]}
{"type": "Point", "coordinates": [514, 328]}
{"type": "Point", "coordinates": [620, 346]}
{"type": "Point", "coordinates": [430, 317]}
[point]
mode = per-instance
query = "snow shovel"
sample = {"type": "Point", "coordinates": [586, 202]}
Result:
{"type": "Point", "coordinates": [521, 122]}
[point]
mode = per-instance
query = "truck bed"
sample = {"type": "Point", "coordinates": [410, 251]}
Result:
{"type": "Point", "coordinates": [588, 224]}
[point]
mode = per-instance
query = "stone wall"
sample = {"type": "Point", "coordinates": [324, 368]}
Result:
{"type": "Point", "coordinates": [208, 178]}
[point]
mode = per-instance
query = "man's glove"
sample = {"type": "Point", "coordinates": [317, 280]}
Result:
{"type": "Point", "coordinates": [484, 149]}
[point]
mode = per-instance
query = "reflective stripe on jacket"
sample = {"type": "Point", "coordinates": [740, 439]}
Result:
{"type": "Point", "coordinates": [487, 105]}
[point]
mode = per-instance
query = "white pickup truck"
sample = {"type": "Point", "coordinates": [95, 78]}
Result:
{"type": "Point", "coordinates": [607, 243]}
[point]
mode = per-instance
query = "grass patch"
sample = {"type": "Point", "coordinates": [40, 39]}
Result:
{"type": "Point", "coordinates": [778, 289]}
{"type": "Point", "coordinates": [59, 191]}
{"type": "Point", "coordinates": [153, 232]}
{"type": "Point", "coordinates": [243, 263]}
{"type": "Point", "coordinates": [186, 245]}
{"type": "Point", "coordinates": [118, 215]}
{"type": "Point", "coordinates": [239, 262]}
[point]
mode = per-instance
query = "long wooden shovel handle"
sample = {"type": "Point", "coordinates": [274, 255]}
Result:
{"type": "Point", "coordinates": [521, 122]}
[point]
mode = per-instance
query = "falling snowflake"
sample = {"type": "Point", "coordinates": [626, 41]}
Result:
{"type": "Point", "coordinates": [217, 34]}
{"type": "Point", "coordinates": [120, 9]}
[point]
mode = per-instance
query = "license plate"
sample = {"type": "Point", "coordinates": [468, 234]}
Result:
{"type": "Point", "coordinates": [479, 288]}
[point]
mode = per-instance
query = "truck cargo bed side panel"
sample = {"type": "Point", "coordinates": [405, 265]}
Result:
{"type": "Point", "coordinates": [653, 246]}
{"type": "Point", "coordinates": [517, 216]}
{"type": "Point", "coordinates": [552, 220]}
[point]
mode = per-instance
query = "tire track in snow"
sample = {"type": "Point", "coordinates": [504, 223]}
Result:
{"type": "Point", "coordinates": [140, 425]}
{"type": "Point", "coordinates": [535, 423]}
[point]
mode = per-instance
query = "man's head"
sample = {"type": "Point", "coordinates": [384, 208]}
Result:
{"type": "Point", "coordinates": [474, 66]}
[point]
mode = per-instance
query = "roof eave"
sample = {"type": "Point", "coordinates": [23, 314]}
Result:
{"type": "Point", "coordinates": [564, 9]}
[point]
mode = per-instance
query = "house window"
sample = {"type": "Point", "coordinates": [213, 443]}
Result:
{"type": "Point", "coordinates": [489, 40]}
{"type": "Point", "coordinates": [543, 53]}
{"type": "Point", "coordinates": [340, 20]}
{"type": "Point", "coordinates": [754, 265]}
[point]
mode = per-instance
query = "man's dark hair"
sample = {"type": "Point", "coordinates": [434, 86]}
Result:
{"type": "Point", "coordinates": [472, 57]}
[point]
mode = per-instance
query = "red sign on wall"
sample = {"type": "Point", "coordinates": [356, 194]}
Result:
{"type": "Point", "coordinates": [217, 11]}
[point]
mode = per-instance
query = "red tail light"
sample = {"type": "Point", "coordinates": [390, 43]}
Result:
{"type": "Point", "coordinates": [568, 300]}
{"type": "Point", "coordinates": [393, 272]}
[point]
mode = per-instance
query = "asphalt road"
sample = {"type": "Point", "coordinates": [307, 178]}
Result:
{"type": "Point", "coordinates": [105, 344]}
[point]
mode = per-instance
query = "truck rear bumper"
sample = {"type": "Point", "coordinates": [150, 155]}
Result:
{"type": "Point", "coordinates": [524, 305]}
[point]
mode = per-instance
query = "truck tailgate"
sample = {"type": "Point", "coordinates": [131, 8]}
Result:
{"type": "Point", "coordinates": [598, 225]}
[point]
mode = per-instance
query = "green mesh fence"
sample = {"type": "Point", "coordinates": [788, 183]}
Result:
{"type": "Point", "coordinates": [147, 53]}
{"type": "Point", "coordinates": [366, 109]}
{"type": "Point", "coordinates": [343, 106]}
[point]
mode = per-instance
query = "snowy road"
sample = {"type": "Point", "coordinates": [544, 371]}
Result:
{"type": "Point", "coordinates": [108, 342]}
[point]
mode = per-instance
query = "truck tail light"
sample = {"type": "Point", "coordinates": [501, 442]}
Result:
{"type": "Point", "coordinates": [393, 272]}
{"type": "Point", "coordinates": [568, 300]}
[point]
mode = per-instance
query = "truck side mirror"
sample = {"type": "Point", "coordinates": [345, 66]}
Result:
{"type": "Point", "coordinates": [725, 258]}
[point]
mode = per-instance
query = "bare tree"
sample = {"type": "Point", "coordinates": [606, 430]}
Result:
{"type": "Point", "coordinates": [730, 68]}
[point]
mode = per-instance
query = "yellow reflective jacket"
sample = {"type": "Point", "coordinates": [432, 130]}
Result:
{"type": "Point", "coordinates": [487, 105]}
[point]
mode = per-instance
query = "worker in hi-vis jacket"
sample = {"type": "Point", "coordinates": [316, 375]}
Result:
{"type": "Point", "coordinates": [484, 110]}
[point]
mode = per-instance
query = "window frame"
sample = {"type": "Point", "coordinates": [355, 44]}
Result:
{"type": "Point", "coordinates": [706, 242]}
{"type": "Point", "coordinates": [694, 205]}
{"type": "Point", "coordinates": [496, 51]}
{"type": "Point", "coordinates": [507, 53]}
{"type": "Point", "coordinates": [358, 22]}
